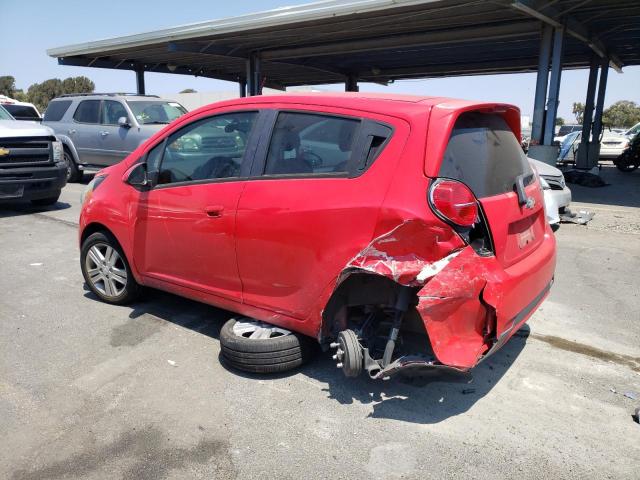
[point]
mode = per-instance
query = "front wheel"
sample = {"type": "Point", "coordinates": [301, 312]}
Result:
{"type": "Point", "coordinates": [106, 270]}
{"type": "Point", "coordinates": [73, 173]}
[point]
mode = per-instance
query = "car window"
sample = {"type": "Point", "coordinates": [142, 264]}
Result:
{"type": "Point", "coordinates": [208, 149]}
{"type": "Point", "coordinates": [22, 112]}
{"type": "Point", "coordinates": [484, 154]}
{"type": "Point", "coordinates": [112, 111]}
{"type": "Point", "coordinates": [4, 115]}
{"type": "Point", "coordinates": [303, 143]}
{"type": "Point", "coordinates": [87, 111]}
{"type": "Point", "coordinates": [155, 111]}
{"type": "Point", "coordinates": [56, 110]}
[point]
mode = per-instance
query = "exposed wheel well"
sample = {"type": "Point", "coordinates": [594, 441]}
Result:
{"type": "Point", "coordinates": [365, 290]}
{"type": "Point", "coordinates": [93, 228]}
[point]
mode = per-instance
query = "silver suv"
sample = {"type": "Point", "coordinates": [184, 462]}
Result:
{"type": "Point", "coordinates": [100, 129]}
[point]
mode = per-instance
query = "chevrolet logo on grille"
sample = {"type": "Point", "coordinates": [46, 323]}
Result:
{"type": "Point", "coordinates": [4, 151]}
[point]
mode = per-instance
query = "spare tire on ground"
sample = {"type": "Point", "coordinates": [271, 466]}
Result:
{"type": "Point", "coordinates": [258, 347]}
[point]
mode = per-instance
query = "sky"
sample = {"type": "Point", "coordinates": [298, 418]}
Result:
{"type": "Point", "coordinates": [27, 33]}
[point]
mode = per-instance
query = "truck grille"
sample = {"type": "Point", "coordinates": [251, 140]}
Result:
{"type": "Point", "coordinates": [25, 151]}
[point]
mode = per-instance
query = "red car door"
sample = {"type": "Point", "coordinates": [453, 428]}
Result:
{"type": "Point", "coordinates": [184, 230]}
{"type": "Point", "coordinates": [312, 206]}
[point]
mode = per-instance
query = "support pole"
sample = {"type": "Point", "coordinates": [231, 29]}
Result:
{"type": "Point", "coordinates": [602, 88]}
{"type": "Point", "coordinates": [554, 86]}
{"type": "Point", "coordinates": [140, 82]}
{"type": "Point", "coordinates": [541, 85]}
{"type": "Point", "coordinates": [242, 84]}
{"type": "Point", "coordinates": [582, 161]}
{"type": "Point", "coordinates": [351, 85]}
{"type": "Point", "coordinates": [254, 77]}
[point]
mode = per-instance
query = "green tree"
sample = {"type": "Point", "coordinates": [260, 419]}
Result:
{"type": "Point", "coordinates": [7, 86]}
{"type": "Point", "coordinates": [578, 111]}
{"type": "Point", "coordinates": [40, 94]}
{"type": "Point", "coordinates": [560, 121]}
{"type": "Point", "coordinates": [622, 114]}
{"type": "Point", "coordinates": [189, 90]}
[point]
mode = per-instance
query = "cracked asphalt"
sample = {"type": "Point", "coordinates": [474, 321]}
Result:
{"type": "Point", "coordinates": [93, 391]}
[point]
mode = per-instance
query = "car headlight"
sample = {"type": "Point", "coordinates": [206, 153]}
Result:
{"type": "Point", "coordinates": [58, 152]}
{"type": "Point", "coordinates": [91, 186]}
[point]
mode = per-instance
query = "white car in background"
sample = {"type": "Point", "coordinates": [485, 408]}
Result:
{"type": "Point", "coordinates": [20, 110]}
{"type": "Point", "coordinates": [611, 146]}
{"type": "Point", "coordinates": [557, 195]}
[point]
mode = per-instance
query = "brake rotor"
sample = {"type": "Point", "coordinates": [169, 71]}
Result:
{"type": "Point", "coordinates": [348, 353]}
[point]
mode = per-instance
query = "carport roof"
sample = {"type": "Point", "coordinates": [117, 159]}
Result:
{"type": "Point", "coordinates": [375, 40]}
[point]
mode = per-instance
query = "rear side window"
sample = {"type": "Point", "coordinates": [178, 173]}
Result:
{"type": "Point", "coordinates": [304, 143]}
{"type": "Point", "coordinates": [484, 154]}
{"type": "Point", "coordinates": [87, 111]}
{"type": "Point", "coordinates": [56, 110]}
{"type": "Point", "coordinates": [22, 112]}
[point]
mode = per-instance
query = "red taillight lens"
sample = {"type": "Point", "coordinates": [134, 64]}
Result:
{"type": "Point", "coordinates": [455, 202]}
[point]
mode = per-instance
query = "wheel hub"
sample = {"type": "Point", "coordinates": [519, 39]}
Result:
{"type": "Point", "coordinates": [348, 354]}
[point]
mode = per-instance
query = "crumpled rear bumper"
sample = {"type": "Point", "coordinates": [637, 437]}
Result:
{"type": "Point", "coordinates": [470, 304]}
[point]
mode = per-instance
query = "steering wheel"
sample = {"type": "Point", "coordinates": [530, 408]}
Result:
{"type": "Point", "coordinates": [312, 158]}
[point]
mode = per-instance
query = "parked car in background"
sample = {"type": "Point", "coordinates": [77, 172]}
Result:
{"type": "Point", "coordinates": [611, 146]}
{"type": "Point", "coordinates": [101, 129]}
{"type": "Point", "coordinates": [633, 131]}
{"type": "Point", "coordinates": [31, 162]}
{"type": "Point", "coordinates": [565, 130]}
{"type": "Point", "coordinates": [332, 218]}
{"type": "Point", "coordinates": [557, 196]}
{"type": "Point", "coordinates": [20, 110]}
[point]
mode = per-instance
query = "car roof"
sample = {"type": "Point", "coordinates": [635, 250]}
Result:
{"type": "Point", "coordinates": [372, 102]}
{"type": "Point", "coordinates": [126, 96]}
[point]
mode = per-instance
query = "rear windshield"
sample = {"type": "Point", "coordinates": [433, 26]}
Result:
{"type": "Point", "coordinates": [56, 110]}
{"type": "Point", "coordinates": [484, 154]}
{"type": "Point", "coordinates": [22, 112]}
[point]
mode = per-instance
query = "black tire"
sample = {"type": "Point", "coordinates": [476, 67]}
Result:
{"type": "Point", "coordinates": [45, 202]}
{"type": "Point", "coordinates": [73, 173]}
{"type": "Point", "coordinates": [269, 355]}
{"type": "Point", "coordinates": [626, 168]}
{"type": "Point", "coordinates": [131, 289]}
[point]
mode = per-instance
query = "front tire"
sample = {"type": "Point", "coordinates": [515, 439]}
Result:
{"type": "Point", "coordinates": [106, 271]}
{"type": "Point", "coordinates": [73, 173]}
{"type": "Point", "coordinates": [257, 347]}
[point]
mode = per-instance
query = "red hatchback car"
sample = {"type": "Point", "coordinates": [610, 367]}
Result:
{"type": "Point", "coordinates": [403, 232]}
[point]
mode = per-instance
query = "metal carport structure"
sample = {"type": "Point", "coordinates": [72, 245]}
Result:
{"type": "Point", "coordinates": [383, 40]}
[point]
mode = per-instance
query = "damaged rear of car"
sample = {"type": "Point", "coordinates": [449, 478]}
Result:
{"type": "Point", "coordinates": [462, 254]}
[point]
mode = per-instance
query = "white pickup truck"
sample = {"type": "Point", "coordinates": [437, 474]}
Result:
{"type": "Point", "coordinates": [32, 163]}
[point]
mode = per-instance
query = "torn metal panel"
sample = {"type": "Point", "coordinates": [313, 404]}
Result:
{"type": "Point", "coordinates": [409, 254]}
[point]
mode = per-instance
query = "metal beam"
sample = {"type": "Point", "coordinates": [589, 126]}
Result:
{"type": "Point", "coordinates": [452, 36]}
{"type": "Point", "coordinates": [551, 16]}
{"type": "Point", "coordinates": [602, 89]}
{"type": "Point", "coordinates": [351, 85]}
{"type": "Point", "coordinates": [587, 120]}
{"type": "Point", "coordinates": [542, 82]}
{"type": "Point", "coordinates": [140, 81]}
{"type": "Point", "coordinates": [242, 84]}
{"type": "Point", "coordinates": [554, 86]}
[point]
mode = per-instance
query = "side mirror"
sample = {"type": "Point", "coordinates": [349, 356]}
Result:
{"type": "Point", "coordinates": [124, 122]}
{"type": "Point", "coordinates": [139, 177]}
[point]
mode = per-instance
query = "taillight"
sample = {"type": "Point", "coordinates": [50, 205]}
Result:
{"type": "Point", "coordinates": [454, 202]}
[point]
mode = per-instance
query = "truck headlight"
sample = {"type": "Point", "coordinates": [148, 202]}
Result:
{"type": "Point", "coordinates": [58, 152]}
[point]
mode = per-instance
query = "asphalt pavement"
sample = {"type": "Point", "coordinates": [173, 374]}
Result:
{"type": "Point", "coordinates": [89, 390]}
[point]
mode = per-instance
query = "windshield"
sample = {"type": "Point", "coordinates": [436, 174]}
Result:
{"type": "Point", "coordinates": [4, 115]}
{"type": "Point", "coordinates": [155, 111]}
{"type": "Point", "coordinates": [22, 112]}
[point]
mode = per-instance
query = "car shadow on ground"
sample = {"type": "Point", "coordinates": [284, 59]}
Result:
{"type": "Point", "coordinates": [427, 399]}
{"type": "Point", "coordinates": [16, 209]}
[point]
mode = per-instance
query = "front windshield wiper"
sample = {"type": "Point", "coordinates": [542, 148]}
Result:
{"type": "Point", "coordinates": [156, 123]}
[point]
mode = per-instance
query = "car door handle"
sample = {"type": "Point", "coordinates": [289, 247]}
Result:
{"type": "Point", "coordinates": [214, 211]}
{"type": "Point", "coordinates": [104, 134]}
{"type": "Point", "coordinates": [71, 132]}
